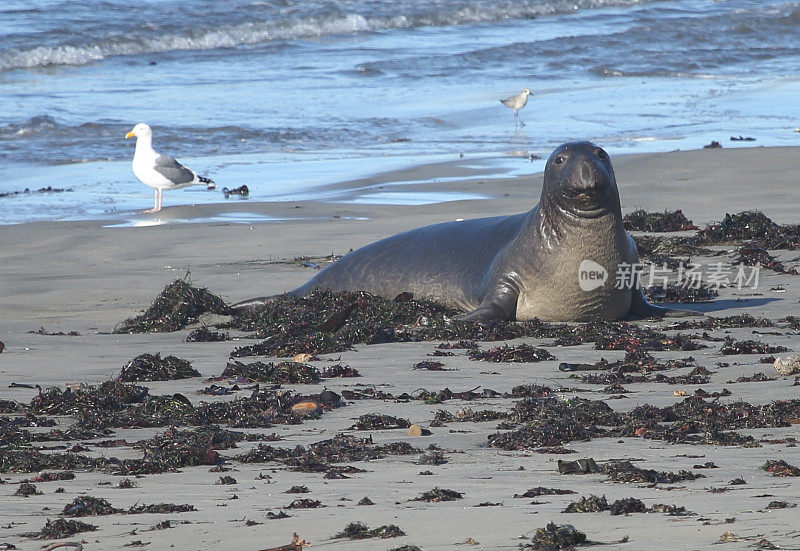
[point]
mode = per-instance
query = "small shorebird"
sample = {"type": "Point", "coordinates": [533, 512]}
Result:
{"type": "Point", "coordinates": [516, 103]}
{"type": "Point", "coordinates": [159, 171]}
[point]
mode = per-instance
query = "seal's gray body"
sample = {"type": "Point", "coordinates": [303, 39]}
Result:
{"type": "Point", "coordinates": [521, 266]}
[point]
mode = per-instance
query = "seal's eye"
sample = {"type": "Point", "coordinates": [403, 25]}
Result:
{"type": "Point", "coordinates": [559, 160]}
{"type": "Point", "coordinates": [600, 154]}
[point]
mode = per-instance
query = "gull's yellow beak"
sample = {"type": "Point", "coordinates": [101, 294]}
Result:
{"type": "Point", "coordinates": [129, 135]}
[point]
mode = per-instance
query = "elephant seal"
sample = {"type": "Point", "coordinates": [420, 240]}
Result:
{"type": "Point", "coordinates": [560, 261]}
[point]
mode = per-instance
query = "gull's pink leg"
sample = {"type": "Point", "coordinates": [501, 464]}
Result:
{"type": "Point", "coordinates": [156, 205]}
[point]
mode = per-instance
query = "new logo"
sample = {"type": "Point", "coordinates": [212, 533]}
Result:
{"type": "Point", "coordinates": [591, 275]}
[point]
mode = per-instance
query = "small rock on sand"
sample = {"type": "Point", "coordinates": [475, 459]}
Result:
{"type": "Point", "coordinates": [790, 365]}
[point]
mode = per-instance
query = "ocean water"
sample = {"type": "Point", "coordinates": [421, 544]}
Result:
{"type": "Point", "coordinates": [288, 96]}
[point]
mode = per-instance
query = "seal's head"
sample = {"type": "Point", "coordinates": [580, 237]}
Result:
{"type": "Point", "coordinates": [579, 180]}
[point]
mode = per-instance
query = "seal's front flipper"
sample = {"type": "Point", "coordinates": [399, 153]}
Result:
{"type": "Point", "coordinates": [641, 309]}
{"type": "Point", "coordinates": [499, 305]}
{"type": "Point", "coordinates": [247, 305]}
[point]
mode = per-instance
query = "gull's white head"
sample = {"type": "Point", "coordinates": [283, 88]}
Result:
{"type": "Point", "coordinates": [140, 129]}
{"type": "Point", "coordinates": [525, 92]}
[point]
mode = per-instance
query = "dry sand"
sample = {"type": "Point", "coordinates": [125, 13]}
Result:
{"type": "Point", "coordinates": [81, 276]}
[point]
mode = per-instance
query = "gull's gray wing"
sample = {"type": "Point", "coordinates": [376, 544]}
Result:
{"type": "Point", "coordinates": [173, 171]}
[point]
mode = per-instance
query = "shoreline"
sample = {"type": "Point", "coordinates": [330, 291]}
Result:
{"type": "Point", "coordinates": [84, 277]}
{"type": "Point", "coordinates": [408, 181]}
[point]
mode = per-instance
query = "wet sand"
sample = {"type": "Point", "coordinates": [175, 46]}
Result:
{"type": "Point", "coordinates": [84, 277]}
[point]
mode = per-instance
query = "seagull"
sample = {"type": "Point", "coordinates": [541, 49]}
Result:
{"type": "Point", "coordinates": [159, 171]}
{"type": "Point", "coordinates": [516, 103]}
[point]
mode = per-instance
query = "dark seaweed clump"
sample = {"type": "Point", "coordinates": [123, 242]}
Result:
{"type": "Point", "coordinates": [750, 227]}
{"type": "Point", "coordinates": [8, 406]}
{"type": "Point", "coordinates": [326, 322]}
{"type": "Point", "coordinates": [27, 489]}
{"type": "Point", "coordinates": [276, 373]}
{"type": "Point", "coordinates": [625, 471]}
{"type": "Point", "coordinates": [204, 334]}
{"type": "Point", "coordinates": [333, 322]}
{"type": "Point", "coordinates": [360, 531]}
{"type": "Point", "coordinates": [591, 504]}
{"type": "Point", "coordinates": [756, 256]}
{"type": "Point", "coordinates": [62, 528]}
{"type": "Point", "coordinates": [731, 346]}
{"type": "Point", "coordinates": [178, 305]}
{"type": "Point", "coordinates": [319, 456]}
{"type": "Point", "coordinates": [152, 367]}
{"type": "Point", "coordinates": [542, 491]}
{"type": "Point", "coordinates": [552, 422]}
{"type": "Point", "coordinates": [521, 353]}
{"type": "Point", "coordinates": [554, 536]}
{"type": "Point", "coordinates": [114, 404]}
{"type": "Point", "coordinates": [780, 468]}
{"type": "Point", "coordinates": [641, 220]}
{"type": "Point", "coordinates": [712, 323]}
{"type": "Point", "coordinates": [376, 421]}
{"type": "Point", "coordinates": [439, 494]}
{"type": "Point", "coordinates": [681, 293]}
{"type": "Point", "coordinates": [85, 506]}
{"type": "Point", "coordinates": [175, 449]}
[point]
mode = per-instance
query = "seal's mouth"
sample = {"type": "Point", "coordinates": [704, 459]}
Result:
{"type": "Point", "coordinates": [588, 202]}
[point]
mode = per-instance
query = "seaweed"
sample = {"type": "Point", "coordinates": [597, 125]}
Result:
{"type": "Point", "coordinates": [591, 504]}
{"type": "Point", "coordinates": [780, 468]}
{"type": "Point", "coordinates": [62, 528]}
{"type": "Point", "coordinates": [178, 305]}
{"type": "Point", "coordinates": [432, 457]}
{"type": "Point", "coordinates": [728, 322]}
{"type": "Point", "coordinates": [360, 531]}
{"type": "Point", "coordinates": [522, 353]}
{"type": "Point", "coordinates": [304, 503]}
{"type": "Point", "coordinates": [338, 371]}
{"type": "Point", "coordinates": [430, 365]}
{"type": "Point", "coordinates": [27, 489]}
{"type": "Point", "coordinates": [531, 391]}
{"type": "Point", "coordinates": [553, 422]}
{"type": "Point", "coordinates": [439, 494]}
{"type": "Point", "coordinates": [462, 344]}
{"type": "Point", "coordinates": [375, 421]}
{"type": "Point", "coordinates": [152, 367]}
{"type": "Point", "coordinates": [554, 536]}
{"type": "Point", "coordinates": [732, 346]}
{"type": "Point", "coordinates": [175, 449]}
{"type": "Point", "coordinates": [52, 477]}
{"type": "Point", "coordinates": [325, 322]}
{"type": "Point", "coordinates": [542, 491]}
{"type": "Point", "coordinates": [750, 227]}
{"type": "Point", "coordinates": [467, 414]}
{"type": "Point", "coordinates": [27, 460]}
{"type": "Point", "coordinates": [85, 506]}
{"type": "Point", "coordinates": [641, 220]}
{"type": "Point", "coordinates": [297, 490]}
{"type": "Point", "coordinates": [627, 506]}
{"type": "Point", "coordinates": [672, 510]}
{"type": "Point", "coordinates": [108, 396]}
{"type": "Point", "coordinates": [276, 373]}
{"type": "Point", "coordinates": [681, 293]}
{"type": "Point", "coordinates": [204, 334]}
{"type": "Point", "coordinates": [318, 456]}
{"type": "Point", "coordinates": [756, 256]}
{"type": "Point", "coordinates": [625, 471]}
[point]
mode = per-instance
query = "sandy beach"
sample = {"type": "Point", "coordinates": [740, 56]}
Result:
{"type": "Point", "coordinates": [87, 277]}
